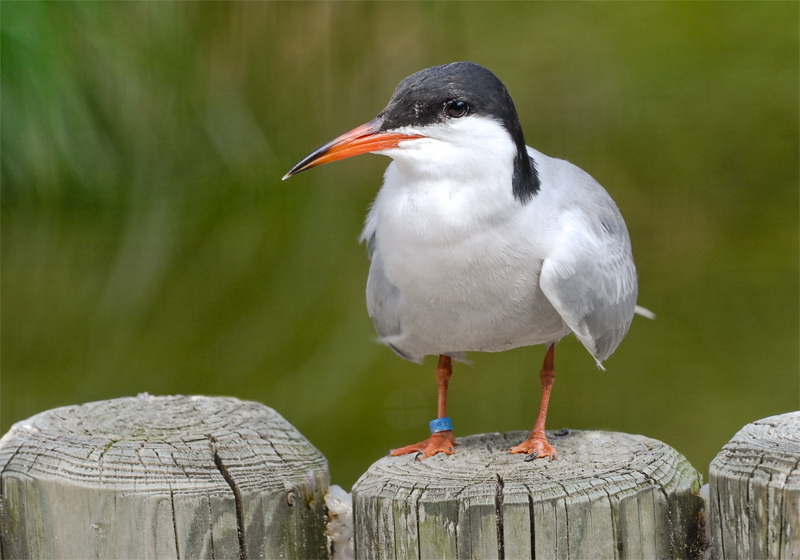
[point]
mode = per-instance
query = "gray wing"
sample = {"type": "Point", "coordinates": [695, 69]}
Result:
{"type": "Point", "coordinates": [383, 300]}
{"type": "Point", "coordinates": [382, 295]}
{"type": "Point", "coordinates": [590, 278]}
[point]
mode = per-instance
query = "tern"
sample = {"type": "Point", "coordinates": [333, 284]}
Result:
{"type": "Point", "coordinates": [479, 243]}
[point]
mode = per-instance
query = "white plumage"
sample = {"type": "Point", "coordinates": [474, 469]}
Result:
{"type": "Point", "coordinates": [459, 265]}
{"type": "Point", "coordinates": [480, 243]}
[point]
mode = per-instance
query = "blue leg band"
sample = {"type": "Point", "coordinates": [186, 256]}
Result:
{"type": "Point", "coordinates": [441, 425]}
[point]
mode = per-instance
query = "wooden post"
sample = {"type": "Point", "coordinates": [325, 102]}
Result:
{"type": "Point", "coordinates": [755, 491]}
{"type": "Point", "coordinates": [161, 477]}
{"type": "Point", "coordinates": [608, 495]}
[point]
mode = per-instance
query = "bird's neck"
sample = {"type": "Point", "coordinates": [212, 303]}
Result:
{"type": "Point", "coordinates": [452, 206]}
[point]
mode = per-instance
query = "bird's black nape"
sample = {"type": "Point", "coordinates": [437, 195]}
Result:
{"type": "Point", "coordinates": [525, 182]}
{"type": "Point", "coordinates": [420, 99]}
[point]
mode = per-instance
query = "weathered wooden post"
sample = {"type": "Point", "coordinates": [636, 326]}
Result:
{"type": "Point", "coordinates": [755, 491]}
{"type": "Point", "coordinates": [609, 495]}
{"type": "Point", "coordinates": [161, 477]}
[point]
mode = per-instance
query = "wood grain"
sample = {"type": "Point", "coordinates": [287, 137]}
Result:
{"type": "Point", "coordinates": [161, 477]}
{"type": "Point", "coordinates": [608, 495]}
{"type": "Point", "coordinates": [755, 491]}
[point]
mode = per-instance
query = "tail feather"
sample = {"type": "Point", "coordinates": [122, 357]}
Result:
{"type": "Point", "coordinates": [644, 312]}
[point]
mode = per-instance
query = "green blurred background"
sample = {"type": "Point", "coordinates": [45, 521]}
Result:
{"type": "Point", "coordinates": [148, 243]}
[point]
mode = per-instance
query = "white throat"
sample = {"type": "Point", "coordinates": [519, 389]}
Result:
{"type": "Point", "coordinates": [465, 149]}
{"type": "Point", "coordinates": [461, 172]}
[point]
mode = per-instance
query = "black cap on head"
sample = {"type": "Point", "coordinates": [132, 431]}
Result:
{"type": "Point", "coordinates": [455, 90]}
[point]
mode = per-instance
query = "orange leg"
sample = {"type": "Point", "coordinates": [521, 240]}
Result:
{"type": "Point", "coordinates": [439, 442]}
{"type": "Point", "coordinates": [537, 445]}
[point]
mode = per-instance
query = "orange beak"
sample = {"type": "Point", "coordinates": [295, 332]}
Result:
{"type": "Point", "coordinates": [361, 140]}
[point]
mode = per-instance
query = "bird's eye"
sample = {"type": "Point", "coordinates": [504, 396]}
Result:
{"type": "Point", "coordinates": [456, 108]}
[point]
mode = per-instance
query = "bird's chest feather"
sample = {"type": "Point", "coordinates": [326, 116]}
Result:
{"type": "Point", "coordinates": [449, 244]}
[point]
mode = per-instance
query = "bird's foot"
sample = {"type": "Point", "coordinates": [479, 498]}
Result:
{"type": "Point", "coordinates": [537, 447]}
{"type": "Point", "coordinates": [440, 442]}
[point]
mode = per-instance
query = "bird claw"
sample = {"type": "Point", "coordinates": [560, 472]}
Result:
{"type": "Point", "coordinates": [440, 442]}
{"type": "Point", "coordinates": [537, 447]}
{"type": "Point", "coordinates": [534, 456]}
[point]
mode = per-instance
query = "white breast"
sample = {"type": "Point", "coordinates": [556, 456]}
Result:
{"type": "Point", "coordinates": [459, 259]}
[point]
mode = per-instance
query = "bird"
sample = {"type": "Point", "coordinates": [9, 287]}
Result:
{"type": "Point", "coordinates": [480, 243]}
